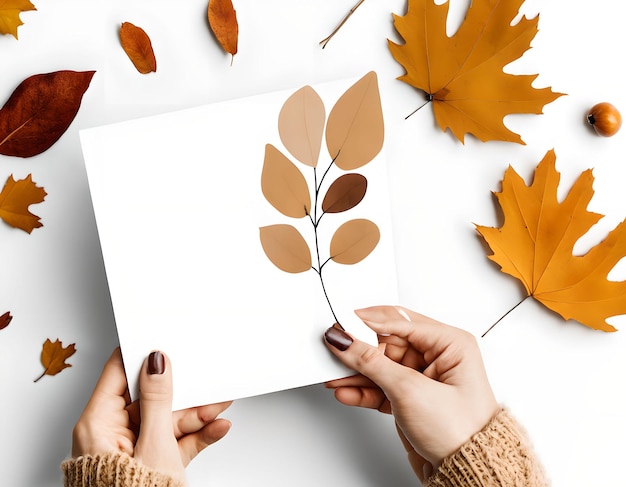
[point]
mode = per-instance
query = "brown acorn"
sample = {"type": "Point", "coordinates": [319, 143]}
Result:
{"type": "Point", "coordinates": [605, 119]}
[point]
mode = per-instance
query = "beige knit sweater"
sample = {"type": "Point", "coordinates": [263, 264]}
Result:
{"type": "Point", "coordinates": [498, 456]}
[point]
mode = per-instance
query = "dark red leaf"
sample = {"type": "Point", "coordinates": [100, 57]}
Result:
{"type": "Point", "coordinates": [345, 193]}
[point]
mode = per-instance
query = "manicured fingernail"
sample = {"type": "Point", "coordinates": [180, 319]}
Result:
{"type": "Point", "coordinates": [338, 338]}
{"type": "Point", "coordinates": [156, 363]}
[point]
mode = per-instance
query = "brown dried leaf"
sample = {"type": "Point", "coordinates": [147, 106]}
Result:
{"type": "Point", "coordinates": [286, 248]}
{"type": "Point", "coordinates": [53, 357]}
{"type": "Point", "coordinates": [15, 198]}
{"type": "Point", "coordinates": [301, 125]}
{"type": "Point", "coordinates": [283, 184]}
{"type": "Point", "coordinates": [10, 15]}
{"type": "Point", "coordinates": [5, 319]}
{"type": "Point", "coordinates": [223, 22]}
{"type": "Point", "coordinates": [138, 47]}
{"type": "Point", "coordinates": [355, 127]}
{"type": "Point", "coordinates": [345, 193]}
{"type": "Point", "coordinates": [353, 241]}
{"type": "Point", "coordinates": [40, 110]}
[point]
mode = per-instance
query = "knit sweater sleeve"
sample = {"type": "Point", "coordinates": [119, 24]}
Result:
{"type": "Point", "coordinates": [113, 469]}
{"type": "Point", "coordinates": [498, 456]}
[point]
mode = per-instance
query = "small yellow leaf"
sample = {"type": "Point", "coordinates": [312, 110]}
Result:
{"type": "Point", "coordinates": [10, 15]}
{"type": "Point", "coordinates": [15, 198]}
{"type": "Point", "coordinates": [53, 357]}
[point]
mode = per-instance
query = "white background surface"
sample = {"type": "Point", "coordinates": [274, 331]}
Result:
{"type": "Point", "coordinates": [562, 380]}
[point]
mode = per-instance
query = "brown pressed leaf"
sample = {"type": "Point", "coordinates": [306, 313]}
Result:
{"type": "Point", "coordinates": [286, 248]}
{"type": "Point", "coordinates": [10, 15]}
{"type": "Point", "coordinates": [301, 125]}
{"type": "Point", "coordinates": [223, 22]}
{"type": "Point", "coordinates": [536, 242]}
{"type": "Point", "coordinates": [353, 241]}
{"type": "Point", "coordinates": [40, 110]}
{"type": "Point", "coordinates": [15, 198]}
{"type": "Point", "coordinates": [355, 127]}
{"type": "Point", "coordinates": [53, 357]}
{"type": "Point", "coordinates": [463, 74]}
{"type": "Point", "coordinates": [5, 319]}
{"type": "Point", "coordinates": [284, 185]}
{"type": "Point", "coordinates": [138, 47]}
{"type": "Point", "coordinates": [345, 193]}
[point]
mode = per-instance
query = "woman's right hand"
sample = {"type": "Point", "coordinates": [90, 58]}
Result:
{"type": "Point", "coordinates": [429, 375]}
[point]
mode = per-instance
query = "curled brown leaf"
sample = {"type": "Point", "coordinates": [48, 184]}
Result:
{"type": "Point", "coordinates": [5, 319]}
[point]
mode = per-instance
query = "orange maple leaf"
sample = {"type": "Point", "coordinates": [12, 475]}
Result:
{"type": "Point", "coordinates": [15, 198]}
{"type": "Point", "coordinates": [535, 244]}
{"type": "Point", "coordinates": [463, 74]}
{"type": "Point", "coordinates": [10, 15]}
{"type": "Point", "coordinates": [53, 357]}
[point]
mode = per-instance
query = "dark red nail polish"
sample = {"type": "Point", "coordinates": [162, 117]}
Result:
{"type": "Point", "coordinates": [338, 338]}
{"type": "Point", "coordinates": [156, 363]}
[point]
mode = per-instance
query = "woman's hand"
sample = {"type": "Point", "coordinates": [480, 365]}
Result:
{"type": "Point", "coordinates": [145, 429]}
{"type": "Point", "coordinates": [430, 376]}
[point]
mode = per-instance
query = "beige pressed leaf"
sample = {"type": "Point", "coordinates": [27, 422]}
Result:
{"type": "Point", "coordinates": [286, 248]}
{"type": "Point", "coordinates": [355, 127]}
{"type": "Point", "coordinates": [353, 241]}
{"type": "Point", "coordinates": [283, 184]}
{"type": "Point", "coordinates": [301, 125]}
{"type": "Point", "coordinates": [138, 47]}
{"type": "Point", "coordinates": [345, 193]}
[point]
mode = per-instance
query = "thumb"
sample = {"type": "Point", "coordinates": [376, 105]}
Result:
{"type": "Point", "coordinates": [155, 391]}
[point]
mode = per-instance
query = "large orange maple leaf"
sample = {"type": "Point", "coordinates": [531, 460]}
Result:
{"type": "Point", "coordinates": [10, 15]}
{"type": "Point", "coordinates": [463, 74]}
{"type": "Point", "coordinates": [536, 242]}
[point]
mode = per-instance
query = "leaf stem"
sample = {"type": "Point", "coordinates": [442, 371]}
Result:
{"type": "Point", "coordinates": [41, 376]}
{"type": "Point", "coordinates": [504, 316]}
{"type": "Point", "coordinates": [323, 42]}
{"type": "Point", "coordinates": [429, 98]}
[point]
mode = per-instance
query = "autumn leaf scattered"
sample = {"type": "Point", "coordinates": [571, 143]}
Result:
{"type": "Point", "coordinates": [536, 242]}
{"type": "Point", "coordinates": [463, 75]}
{"type": "Point", "coordinates": [10, 15]}
{"type": "Point", "coordinates": [53, 357]}
{"type": "Point", "coordinates": [138, 47]}
{"type": "Point", "coordinates": [15, 198]}
{"type": "Point", "coordinates": [5, 319]}
{"type": "Point", "coordinates": [40, 110]}
{"type": "Point", "coordinates": [223, 23]}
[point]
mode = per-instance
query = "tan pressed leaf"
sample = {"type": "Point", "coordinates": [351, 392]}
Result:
{"type": "Point", "coordinates": [10, 15]}
{"type": "Point", "coordinates": [40, 110]}
{"type": "Point", "coordinates": [138, 47]}
{"type": "Point", "coordinates": [355, 127]}
{"type": "Point", "coordinates": [536, 242]}
{"type": "Point", "coordinates": [283, 184]}
{"type": "Point", "coordinates": [53, 357]}
{"type": "Point", "coordinates": [353, 241]}
{"type": "Point", "coordinates": [15, 198]}
{"type": "Point", "coordinates": [286, 248]}
{"type": "Point", "coordinates": [301, 125]}
{"type": "Point", "coordinates": [5, 319]}
{"type": "Point", "coordinates": [223, 23]}
{"type": "Point", "coordinates": [345, 193]}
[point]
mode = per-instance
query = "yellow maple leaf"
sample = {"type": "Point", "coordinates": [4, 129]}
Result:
{"type": "Point", "coordinates": [15, 198]}
{"type": "Point", "coordinates": [10, 15]}
{"type": "Point", "coordinates": [53, 357]}
{"type": "Point", "coordinates": [535, 244]}
{"type": "Point", "coordinates": [463, 75]}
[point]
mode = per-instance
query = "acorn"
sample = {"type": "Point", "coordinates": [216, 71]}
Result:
{"type": "Point", "coordinates": [605, 119]}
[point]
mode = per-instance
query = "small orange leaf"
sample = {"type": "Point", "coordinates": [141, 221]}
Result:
{"type": "Point", "coordinates": [53, 357]}
{"type": "Point", "coordinates": [138, 47]}
{"type": "Point", "coordinates": [223, 22]}
{"type": "Point", "coordinates": [353, 241]}
{"type": "Point", "coordinates": [10, 15]}
{"type": "Point", "coordinates": [345, 193]}
{"type": "Point", "coordinates": [355, 127]}
{"type": "Point", "coordinates": [5, 319]}
{"type": "Point", "coordinates": [286, 248]}
{"type": "Point", "coordinates": [15, 198]}
{"type": "Point", "coordinates": [284, 185]}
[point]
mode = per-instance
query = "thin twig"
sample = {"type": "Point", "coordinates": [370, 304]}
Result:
{"type": "Point", "coordinates": [503, 316]}
{"type": "Point", "coordinates": [323, 42]}
{"type": "Point", "coordinates": [429, 98]}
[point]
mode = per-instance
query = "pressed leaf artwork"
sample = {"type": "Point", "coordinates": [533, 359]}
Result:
{"type": "Point", "coordinates": [138, 47]}
{"type": "Point", "coordinates": [10, 15]}
{"type": "Point", "coordinates": [354, 135]}
{"type": "Point", "coordinates": [536, 242]}
{"type": "Point", "coordinates": [5, 320]}
{"type": "Point", "coordinates": [223, 23]}
{"type": "Point", "coordinates": [462, 75]}
{"type": "Point", "coordinates": [40, 110]}
{"type": "Point", "coordinates": [15, 199]}
{"type": "Point", "coordinates": [54, 356]}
